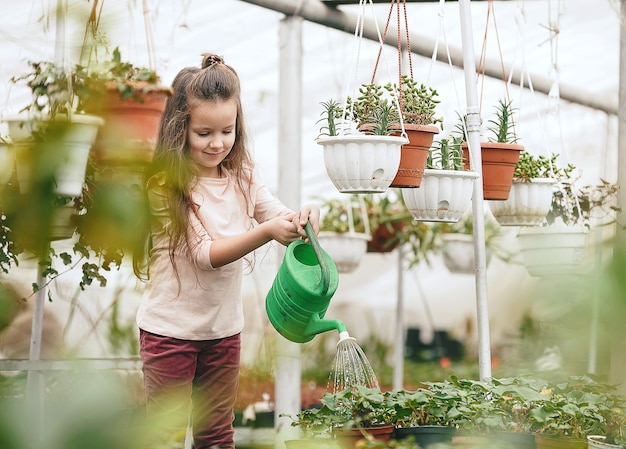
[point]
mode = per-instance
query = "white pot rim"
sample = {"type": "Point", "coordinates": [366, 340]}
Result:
{"type": "Point", "coordinates": [86, 119]}
{"type": "Point", "coordinates": [356, 235]}
{"type": "Point", "coordinates": [323, 140]}
{"type": "Point", "coordinates": [535, 181]}
{"type": "Point", "coordinates": [441, 173]}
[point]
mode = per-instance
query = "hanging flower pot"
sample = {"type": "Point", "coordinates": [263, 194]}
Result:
{"type": "Point", "coordinates": [131, 124]}
{"type": "Point", "coordinates": [346, 249]}
{"type": "Point", "coordinates": [413, 155]}
{"type": "Point", "coordinates": [7, 161]}
{"type": "Point", "coordinates": [498, 165]}
{"type": "Point", "coordinates": [63, 223]}
{"type": "Point", "coordinates": [527, 205]}
{"type": "Point", "coordinates": [62, 152]}
{"type": "Point", "coordinates": [361, 163]}
{"type": "Point", "coordinates": [444, 195]}
{"type": "Point", "coordinates": [458, 253]}
{"type": "Point", "coordinates": [555, 249]}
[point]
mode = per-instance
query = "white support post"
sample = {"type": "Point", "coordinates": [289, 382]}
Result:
{"type": "Point", "coordinates": [288, 362]}
{"type": "Point", "coordinates": [398, 367]}
{"type": "Point", "coordinates": [473, 136]}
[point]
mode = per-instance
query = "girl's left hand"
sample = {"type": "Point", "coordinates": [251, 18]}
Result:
{"type": "Point", "coordinates": [307, 213]}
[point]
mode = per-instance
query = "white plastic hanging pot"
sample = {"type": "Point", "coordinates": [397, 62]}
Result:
{"type": "Point", "coordinates": [362, 163]}
{"type": "Point", "coordinates": [345, 248]}
{"type": "Point", "coordinates": [444, 195]}
{"type": "Point", "coordinates": [550, 250]}
{"type": "Point", "coordinates": [67, 154]}
{"type": "Point", "coordinates": [7, 161]}
{"type": "Point", "coordinates": [527, 205]}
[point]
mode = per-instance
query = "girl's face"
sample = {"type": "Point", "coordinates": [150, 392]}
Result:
{"type": "Point", "coordinates": [211, 134]}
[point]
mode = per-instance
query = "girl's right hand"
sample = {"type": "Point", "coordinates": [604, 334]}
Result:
{"type": "Point", "coordinates": [282, 229]}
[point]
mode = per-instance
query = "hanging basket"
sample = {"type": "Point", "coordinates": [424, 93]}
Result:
{"type": "Point", "coordinates": [414, 154]}
{"type": "Point", "coordinates": [361, 163]}
{"type": "Point", "coordinates": [498, 166]}
{"type": "Point", "coordinates": [458, 253]}
{"type": "Point", "coordinates": [527, 205]}
{"type": "Point", "coordinates": [346, 249]}
{"type": "Point", "coordinates": [65, 150]}
{"type": "Point", "coordinates": [63, 222]}
{"type": "Point", "coordinates": [7, 161]}
{"type": "Point", "coordinates": [131, 126]}
{"type": "Point", "coordinates": [551, 250]}
{"type": "Point", "coordinates": [444, 195]}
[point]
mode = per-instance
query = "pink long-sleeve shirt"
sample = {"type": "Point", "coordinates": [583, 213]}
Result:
{"type": "Point", "coordinates": [207, 304]}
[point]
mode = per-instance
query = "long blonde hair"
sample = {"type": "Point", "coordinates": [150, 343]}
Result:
{"type": "Point", "coordinates": [214, 81]}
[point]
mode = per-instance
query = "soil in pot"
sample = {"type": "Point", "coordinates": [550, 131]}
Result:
{"type": "Point", "coordinates": [351, 438]}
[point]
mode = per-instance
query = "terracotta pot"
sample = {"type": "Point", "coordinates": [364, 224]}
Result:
{"type": "Point", "coordinates": [413, 155]}
{"type": "Point", "coordinates": [498, 166]}
{"type": "Point", "coordinates": [351, 438]}
{"type": "Point", "coordinates": [131, 127]}
{"type": "Point", "coordinates": [546, 442]}
{"type": "Point", "coordinates": [382, 236]}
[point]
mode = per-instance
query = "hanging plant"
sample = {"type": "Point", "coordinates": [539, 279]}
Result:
{"type": "Point", "coordinates": [499, 153]}
{"type": "Point", "coordinates": [446, 190]}
{"type": "Point", "coordinates": [530, 198]}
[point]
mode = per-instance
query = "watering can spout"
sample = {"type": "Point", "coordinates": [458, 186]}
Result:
{"type": "Point", "coordinates": [317, 326]}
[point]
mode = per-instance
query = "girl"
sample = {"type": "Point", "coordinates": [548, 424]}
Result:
{"type": "Point", "coordinates": [208, 211]}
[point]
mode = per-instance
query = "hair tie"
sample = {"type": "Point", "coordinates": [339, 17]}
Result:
{"type": "Point", "coordinates": [211, 59]}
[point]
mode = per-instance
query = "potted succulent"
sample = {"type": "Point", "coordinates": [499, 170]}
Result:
{"type": "Point", "coordinates": [417, 104]}
{"type": "Point", "coordinates": [558, 246]}
{"type": "Point", "coordinates": [531, 193]}
{"type": "Point", "coordinates": [446, 190]}
{"type": "Point", "coordinates": [499, 153]}
{"type": "Point", "coordinates": [350, 416]}
{"type": "Point", "coordinates": [356, 161]}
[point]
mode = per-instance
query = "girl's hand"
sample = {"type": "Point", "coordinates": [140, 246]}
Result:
{"type": "Point", "coordinates": [307, 213]}
{"type": "Point", "coordinates": [283, 229]}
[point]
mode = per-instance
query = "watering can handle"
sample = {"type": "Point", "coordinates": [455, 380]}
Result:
{"type": "Point", "coordinates": [319, 253]}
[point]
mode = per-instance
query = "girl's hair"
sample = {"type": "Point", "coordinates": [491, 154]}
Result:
{"type": "Point", "coordinates": [214, 81]}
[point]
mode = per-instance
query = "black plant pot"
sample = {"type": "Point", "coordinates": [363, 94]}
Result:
{"type": "Point", "coordinates": [425, 436]}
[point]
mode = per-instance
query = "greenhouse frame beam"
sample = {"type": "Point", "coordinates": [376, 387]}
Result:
{"type": "Point", "coordinates": [318, 11]}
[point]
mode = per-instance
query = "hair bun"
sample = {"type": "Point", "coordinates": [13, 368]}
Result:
{"type": "Point", "coordinates": [210, 59]}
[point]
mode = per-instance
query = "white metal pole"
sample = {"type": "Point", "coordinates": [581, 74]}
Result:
{"type": "Point", "coordinates": [398, 367]}
{"type": "Point", "coordinates": [473, 136]}
{"type": "Point", "coordinates": [288, 362]}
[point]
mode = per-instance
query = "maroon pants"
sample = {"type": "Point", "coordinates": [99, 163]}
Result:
{"type": "Point", "coordinates": [201, 374]}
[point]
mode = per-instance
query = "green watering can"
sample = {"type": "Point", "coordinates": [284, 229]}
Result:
{"type": "Point", "coordinates": [301, 291]}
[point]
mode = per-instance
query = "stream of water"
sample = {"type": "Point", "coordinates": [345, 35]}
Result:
{"type": "Point", "coordinates": [350, 366]}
